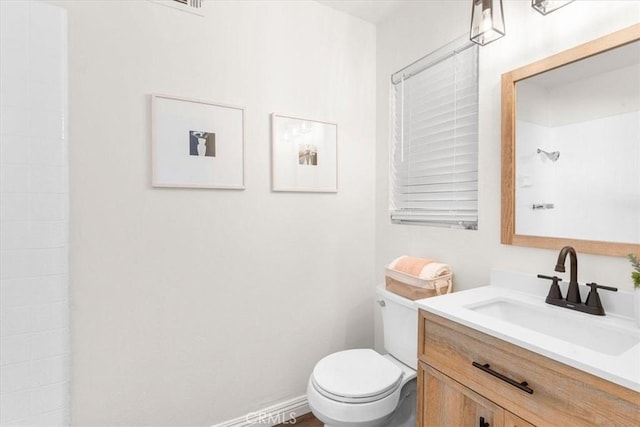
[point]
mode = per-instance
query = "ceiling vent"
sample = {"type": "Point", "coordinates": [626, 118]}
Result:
{"type": "Point", "coordinates": [196, 7]}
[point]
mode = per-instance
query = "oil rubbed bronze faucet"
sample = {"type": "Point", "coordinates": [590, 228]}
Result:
{"type": "Point", "coordinates": [573, 294]}
{"type": "Point", "coordinates": [593, 305]}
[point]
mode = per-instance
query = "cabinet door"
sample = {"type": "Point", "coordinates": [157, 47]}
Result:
{"type": "Point", "coordinates": [445, 402]}
{"type": "Point", "coordinates": [511, 420]}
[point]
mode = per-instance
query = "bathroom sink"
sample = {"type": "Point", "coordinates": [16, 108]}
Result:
{"type": "Point", "coordinates": [512, 308]}
{"type": "Point", "coordinates": [563, 326]}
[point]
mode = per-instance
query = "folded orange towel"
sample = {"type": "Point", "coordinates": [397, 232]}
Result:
{"type": "Point", "coordinates": [411, 265]}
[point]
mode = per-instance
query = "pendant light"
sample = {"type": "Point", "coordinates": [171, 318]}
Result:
{"type": "Point", "coordinates": [548, 6]}
{"type": "Point", "coordinates": [487, 21]}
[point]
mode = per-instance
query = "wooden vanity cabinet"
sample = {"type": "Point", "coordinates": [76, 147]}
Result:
{"type": "Point", "coordinates": [455, 391]}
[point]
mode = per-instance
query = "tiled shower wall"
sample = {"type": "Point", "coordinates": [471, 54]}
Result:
{"type": "Point", "coordinates": [34, 215]}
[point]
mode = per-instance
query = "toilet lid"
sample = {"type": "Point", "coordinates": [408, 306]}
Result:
{"type": "Point", "coordinates": [356, 375]}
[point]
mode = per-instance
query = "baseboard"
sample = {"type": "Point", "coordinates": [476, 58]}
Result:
{"type": "Point", "coordinates": [281, 413]}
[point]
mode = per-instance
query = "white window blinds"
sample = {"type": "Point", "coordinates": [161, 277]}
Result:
{"type": "Point", "coordinates": [434, 159]}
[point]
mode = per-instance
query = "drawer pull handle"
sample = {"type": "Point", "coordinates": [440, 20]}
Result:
{"type": "Point", "coordinates": [486, 368]}
{"type": "Point", "coordinates": [483, 423]}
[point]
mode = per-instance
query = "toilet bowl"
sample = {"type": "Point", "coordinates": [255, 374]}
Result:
{"type": "Point", "coordinates": [362, 388]}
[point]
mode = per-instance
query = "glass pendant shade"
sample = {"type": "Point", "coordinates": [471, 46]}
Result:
{"type": "Point", "coordinates": [487, 21]}
{"type": "Point", "coordinates": [548, 6]}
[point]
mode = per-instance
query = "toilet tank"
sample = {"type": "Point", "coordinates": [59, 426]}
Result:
{"type": "Point", "coordinates": [400, 326]}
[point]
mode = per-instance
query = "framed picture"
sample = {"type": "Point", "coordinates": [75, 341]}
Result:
{"type": "Point", "coordinates": [305, 155]}
{"type": "Point", "coordinates": [197, 144]}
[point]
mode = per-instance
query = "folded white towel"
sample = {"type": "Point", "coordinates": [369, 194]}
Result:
{"type": "Point", "coordinates": [433, 270]}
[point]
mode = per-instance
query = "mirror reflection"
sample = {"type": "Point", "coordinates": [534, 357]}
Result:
{"type": "Point", "coordinates": [577, 140]}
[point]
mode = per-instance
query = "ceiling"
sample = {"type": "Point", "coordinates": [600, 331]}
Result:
{"type": "Point", "coordinates": [372, 11]}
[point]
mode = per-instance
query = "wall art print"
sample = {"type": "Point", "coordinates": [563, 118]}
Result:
{"type": "Point", "coordinates": [304, 155]}
{"type": "Point", "coordinates": [196, 144]}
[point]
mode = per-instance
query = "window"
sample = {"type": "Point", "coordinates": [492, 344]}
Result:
{"type": "Point", "coordinates": [434, 158]}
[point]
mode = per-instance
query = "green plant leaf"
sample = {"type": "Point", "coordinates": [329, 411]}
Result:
{"type": "Point", "coordinates": [635, 262]}
{"type": "Point", "coordinates": [635, 275]}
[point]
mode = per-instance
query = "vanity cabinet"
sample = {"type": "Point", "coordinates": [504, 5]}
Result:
{"type": "Point", "coordinates": [465, 374]}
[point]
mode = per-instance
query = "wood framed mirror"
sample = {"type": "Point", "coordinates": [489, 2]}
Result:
{"type": "Point", "coordinates": [570, 153]}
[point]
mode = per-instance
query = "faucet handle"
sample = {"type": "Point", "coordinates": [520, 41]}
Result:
{"type": "Point", "coordinates": [554, 291]}
{"type": "Point", "coordinates": [594, 287]}
{"type": "Point", "coordinates": [593, 299]}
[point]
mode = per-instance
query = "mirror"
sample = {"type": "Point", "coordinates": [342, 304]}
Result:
{"type": "Point", "coordinates": [571, 148]}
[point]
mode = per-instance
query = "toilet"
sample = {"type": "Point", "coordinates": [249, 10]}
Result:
{"type": "Point", "coordinates": [362, 388]}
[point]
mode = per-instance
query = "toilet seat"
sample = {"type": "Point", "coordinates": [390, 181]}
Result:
{"type": "Point", "coordinates": [356, 376]}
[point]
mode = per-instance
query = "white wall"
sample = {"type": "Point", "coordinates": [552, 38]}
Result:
{"type": "Point", "coordinates": [191, 307]}
{"type": "Point", "coordinates": [421, 27]}
{"type": "Point", "coordinates": [34, 321]}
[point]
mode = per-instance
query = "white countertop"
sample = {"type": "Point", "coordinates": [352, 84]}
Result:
{"type": "Point", "coordinates": [529, 292]}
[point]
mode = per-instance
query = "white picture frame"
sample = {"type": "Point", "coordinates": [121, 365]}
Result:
{"type": "Point", "coordinates": [196, 143]}
{"type": "Point", "coordinates": [304, 154]}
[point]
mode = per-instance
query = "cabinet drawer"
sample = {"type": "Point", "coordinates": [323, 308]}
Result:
{"type": "Point", "coordinates": [561, 395]}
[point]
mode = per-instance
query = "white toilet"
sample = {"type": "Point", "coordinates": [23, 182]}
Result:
{"type": "Point", "coordinates": [362, 388]}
